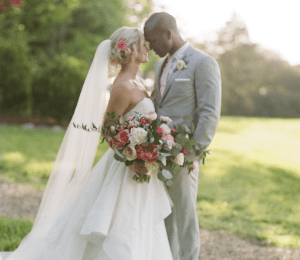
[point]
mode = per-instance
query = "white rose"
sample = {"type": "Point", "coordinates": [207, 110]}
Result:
{"type": "Point", "coordinates": [181, 65]}
{"type": "Point", "coordinates": [137, 136]}
{"type": "Point", "coordinates": [166, 119]}
{"type": "Point", "coordinates": [165, 129]}
{"type": "Point", "coordinates": [151, 116]}
{"type": "Point", "coordinates": [130, 152]}
{"type": "Point", "coordinates": [187, 136]}
{"type": "Point", "coordinates": [179, 159]}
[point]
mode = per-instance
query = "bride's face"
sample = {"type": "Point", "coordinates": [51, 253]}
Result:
{"type": "Point", "coordinates": [142, 56]}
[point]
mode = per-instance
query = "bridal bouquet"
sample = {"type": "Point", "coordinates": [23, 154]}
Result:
{"type": "Point", "coordinates": [146, 139]}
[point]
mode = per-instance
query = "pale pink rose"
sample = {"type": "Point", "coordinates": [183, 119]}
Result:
{"type": "Point", "coordinates": [151, 116]}
{"type": "Point", "coordinates": [170, 140]}
{"type": "Point", "coordinates": [130, 152]}
{"type": "Point", "coordinates": [167, 137]}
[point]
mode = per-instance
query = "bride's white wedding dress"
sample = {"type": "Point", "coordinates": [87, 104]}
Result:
{"type": "Point", "coordinates": [114, 218]}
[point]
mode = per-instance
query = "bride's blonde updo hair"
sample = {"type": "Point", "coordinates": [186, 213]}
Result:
{"type": "Point", "coordinates": [132, 37]}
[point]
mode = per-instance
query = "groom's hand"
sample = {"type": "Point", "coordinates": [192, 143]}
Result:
{"type": "Point", "coordinates": [139, 168]}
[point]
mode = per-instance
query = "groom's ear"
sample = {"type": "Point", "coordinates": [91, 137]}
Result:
{"type": "Point", "coordinates": [169, 34]}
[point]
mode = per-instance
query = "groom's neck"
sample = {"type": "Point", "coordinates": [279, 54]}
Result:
{"type": "Point", "coordinates": [177, 44]}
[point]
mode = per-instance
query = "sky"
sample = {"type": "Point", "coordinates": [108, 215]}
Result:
{"type": "Point", "coordinates": [275, 25]}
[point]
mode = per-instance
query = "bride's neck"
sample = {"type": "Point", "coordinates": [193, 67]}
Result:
{"type": "Point", "coordinates": [130, 69]}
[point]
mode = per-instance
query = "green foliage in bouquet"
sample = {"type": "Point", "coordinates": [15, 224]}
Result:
{"type": "Point", "coordinates": [165, 148]}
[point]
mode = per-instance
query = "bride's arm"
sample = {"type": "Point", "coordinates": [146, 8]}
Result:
{"type": "Point", "coordinates": [120, 99]}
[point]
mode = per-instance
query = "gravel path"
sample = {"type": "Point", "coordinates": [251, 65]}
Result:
{"type": "Point", "coordinates": [20, 200]}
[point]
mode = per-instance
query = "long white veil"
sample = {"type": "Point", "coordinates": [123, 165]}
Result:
{"type": "Point", "coordinates": [75, 158]}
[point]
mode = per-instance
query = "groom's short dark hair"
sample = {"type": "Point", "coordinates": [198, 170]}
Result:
{"type": "Point", "coordinates": [161, 21]}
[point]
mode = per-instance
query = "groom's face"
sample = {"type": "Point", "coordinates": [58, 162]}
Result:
{"type": "Point", "coordinates": [158, 41]}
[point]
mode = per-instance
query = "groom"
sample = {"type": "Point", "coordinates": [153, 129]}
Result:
{"type": "Point", "coordinates": [187, 82]}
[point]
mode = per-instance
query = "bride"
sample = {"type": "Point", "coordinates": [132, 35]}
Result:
{"type": "Point", "coordinates": [100, 213]}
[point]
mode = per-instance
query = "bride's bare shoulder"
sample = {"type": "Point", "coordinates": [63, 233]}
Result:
{"type": "Point", "coordinates": [122, 89]}
{"type": "Point", "coordinates": [122, 86]}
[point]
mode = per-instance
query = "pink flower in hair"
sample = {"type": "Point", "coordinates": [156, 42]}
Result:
{"type": "Point", "coordinates": [122, 45]}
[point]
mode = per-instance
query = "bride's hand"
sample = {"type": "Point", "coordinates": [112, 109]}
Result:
{"type": "Point", "coordinates": [139, 168]}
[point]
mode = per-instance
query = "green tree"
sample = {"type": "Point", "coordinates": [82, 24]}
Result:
{"type": "Point", "coordinates": [255, 81]}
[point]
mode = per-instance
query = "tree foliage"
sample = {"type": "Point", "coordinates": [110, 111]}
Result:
{"type": "Point", "coordinates": [47, 47]}
{"type": "Point", "coordinates": [255, 81]}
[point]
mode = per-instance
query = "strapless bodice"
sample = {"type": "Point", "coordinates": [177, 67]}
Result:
{"type": "Point", "coordinates": [143, 107]}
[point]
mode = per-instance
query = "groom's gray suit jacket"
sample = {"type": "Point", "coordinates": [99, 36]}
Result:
{"type": "Point", "coordinates": [194, 91]}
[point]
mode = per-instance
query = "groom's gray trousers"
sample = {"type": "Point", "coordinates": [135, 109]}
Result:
{"type": "Point", "coordinates": [182, 225]}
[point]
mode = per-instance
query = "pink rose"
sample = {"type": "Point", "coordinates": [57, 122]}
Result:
{"type": "Point", "coordinates": [144, 121]}
{"type": "Point", "coordinates": [17, 3]}
{"type": "Point", "coordinates": [173, 129]}
{"type": "Point", "coordinates": [122, 45]}
{"type": "Point", "coordinates": [159, 130]}
{"type": "Point", "coordinates": [185, 151]}
{"type": "Point", "coordinates": [114, 144]}
{"type": "Point", "coordinates": [147, 153]}
{"type": "Point", "coordinates": [123, 136]}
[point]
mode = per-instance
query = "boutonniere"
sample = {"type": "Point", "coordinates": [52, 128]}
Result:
{"type": "Point", "coordinates": [181, 65]}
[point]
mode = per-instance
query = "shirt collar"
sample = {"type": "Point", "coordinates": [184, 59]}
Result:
{"type": "Point", "coordinates": [178, 55]}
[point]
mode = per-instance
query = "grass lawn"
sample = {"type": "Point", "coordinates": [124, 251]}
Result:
{"type": "Point", "coordinates": [27, 156]}
{"type": "Point", "coordinates": [249, 186]}
{"type": "Point", "coordinates": [251, 183]}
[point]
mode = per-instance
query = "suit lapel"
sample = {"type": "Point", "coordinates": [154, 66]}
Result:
{"type": "Point", "coordinates": [176, 73]}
